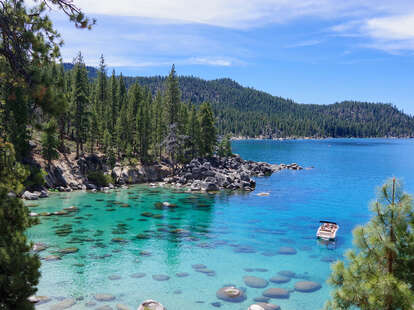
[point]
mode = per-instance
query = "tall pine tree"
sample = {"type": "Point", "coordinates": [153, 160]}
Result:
{"type": "Point", "coordinates": [80, 102]}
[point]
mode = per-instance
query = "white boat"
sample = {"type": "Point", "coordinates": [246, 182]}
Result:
{"type": "Point", "coordinates": [327, 230]}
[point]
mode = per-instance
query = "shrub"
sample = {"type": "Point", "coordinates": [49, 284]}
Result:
{"type": "Point", "coordinates": [99, 178]}
{"type": "Point", "coordinates": [36, 177]}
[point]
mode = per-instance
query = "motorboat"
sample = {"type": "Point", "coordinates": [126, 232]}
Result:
{"type": "Point", "coordinates": [327, 230]}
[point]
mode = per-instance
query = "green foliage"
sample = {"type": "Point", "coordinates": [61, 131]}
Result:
{"type": "Point", "coordinates": [19, 269]}
{"type": "Point", "coordinates": [380, 274]}
{"type": "Point", "coordinates": [173, 98]}
{"type": "Point", "coordinates": [12, 174]}
{"type": "Point", "coordinates": [208, 136]}
{"type": "Point", "coordinates": [99, 178]}
{"type": "Point", "coordinates": [80, 102]}
{"type": "Point", "coordinates": [50, 141]}
{"type": "Point", "coordinates": [36, 177]}
{"type": "Point", "coordinates": [28, 43]}
{"type": "Point", "coordinates": [248, 112]}
{"type": "Point", "coordinates": [224, 148]}
{"type": "Point", "coordinates": [193, 133]}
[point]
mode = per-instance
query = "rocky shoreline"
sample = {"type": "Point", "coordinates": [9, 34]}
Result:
{"type": "Point", "coordinates": [202, 174]}
{"type": "Point", "coordinates": [218, 173]}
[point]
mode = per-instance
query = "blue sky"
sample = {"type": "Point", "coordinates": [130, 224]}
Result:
{"type": "Point", "coordinates": [312, 51]}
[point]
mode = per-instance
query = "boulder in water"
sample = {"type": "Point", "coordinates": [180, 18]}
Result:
{"type": "Point", "coordinates": [285, 250]}
{"type": "Point", "coordinates": [122, 307]}
{"type": "Point", "coordinates": [279, 279]}
{"type": "Point", "coordinates": [287, 273]}
{"type": "Point", "coordinates": [276, 292]}
{"type": "Point", "coordinates": [231, 294]}
{"type": "Point", "coordinates": [160, 277]}
{"type": "Point", "coordinates": [64, 304]}
{"type": "Point", "coordinates": [151, 305]}
{"type": "Point", "coordinates": [255, 307]}
{"type": "Point", "coordinates": [255, 282]}
{"type": "Point", "coordinates": [307, 286]}
{"type": "Point", "coordinates": [104, 297]}
{"type": "Point", "coordinates": [267, 306]}
{"type": "Point", "coordinates": [30, 196]}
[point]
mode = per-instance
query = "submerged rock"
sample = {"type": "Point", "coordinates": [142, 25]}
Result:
{"type": "Point", "coordinates": [68, 250]}
{"type": "Point", "coordinates": [287, 273]}
{"type": "Point", "coordinates": [182, 274]}
{"type": "Point", "coordinates": [90, 304]}
{"type": "Point", "coordinates": [255, 307]}
{"type": "Point", "coordinates": [104, 297]}
{"type": "Point", "coordinates": [231, 294]}
{"type": "Point", "coordinates": [122, 307]}
{"type": "Point", "coordinates": [151, 305]}
{"type": "Point", "coordinates": [114, 277]}
{"type": "Point", "coordinates": [51, 258]}
{"type": "Point", "coordinates": [307, 286]}
{"type": "Point", "coordinates": [160, 277]}
{"type": "Point", "coordinates": [104, 307]}
{"type": "Point", "coordinates": [64, 304]}
{"type": "Point", "coordinates": [285, 250]}
{"type": "Point", "coordinates": [39, 246]}
{"type": "Point", "coordinates": [261, 299]}
{"type": "Point", "coordinates": [276, 292]}
{"type": "Point", "coordinates": [138, 275]}
{"type": "Point", "coordinates": [255, 282]}
{"type": "Point", "coordinates": [279, 279]}
{"type": "Point", "coordinates": [267, 306]}
{"type": "Point", "coordinates": [39, 300]}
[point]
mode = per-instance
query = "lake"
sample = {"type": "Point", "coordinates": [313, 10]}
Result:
{"type": "Point", "coordinates": [134, 249]}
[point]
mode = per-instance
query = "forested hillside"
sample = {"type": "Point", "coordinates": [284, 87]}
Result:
{"type": "Point", "coordinates": [248, 112]}
{"type": "Point", "coordinates": [244, 111]}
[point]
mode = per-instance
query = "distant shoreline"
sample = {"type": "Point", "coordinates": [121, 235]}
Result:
{"type": "Point", "coordinates": [240, 138]}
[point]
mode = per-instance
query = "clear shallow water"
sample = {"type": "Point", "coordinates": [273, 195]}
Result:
{"type": "Point", "coordinates": [226, 232]}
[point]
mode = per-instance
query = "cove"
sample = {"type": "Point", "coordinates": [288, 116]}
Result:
{"type": "Point", "coordinates": [133, 248]}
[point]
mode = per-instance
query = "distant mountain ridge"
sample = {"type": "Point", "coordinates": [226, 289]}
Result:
{"type": "Point", "coordinates": [244, 111]}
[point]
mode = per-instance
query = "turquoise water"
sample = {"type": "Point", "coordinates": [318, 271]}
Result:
{"type": "Point", "coordinates": [234, 235]}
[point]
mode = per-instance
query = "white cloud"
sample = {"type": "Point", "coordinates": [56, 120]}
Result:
{"type": "Point", "coordinates": [304, 43]}
{"type": "Point", "coordinates": [400, 27]}
{"type": "Point", "coordinates": [239, 13]}
{"type": "Point", "coordinates": [211, 61]}
{"type": "Point", "coordinates": [392, 34]}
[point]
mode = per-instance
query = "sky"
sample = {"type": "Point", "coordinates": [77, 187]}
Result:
{"type": "Point", "coordinates": [311, 51]}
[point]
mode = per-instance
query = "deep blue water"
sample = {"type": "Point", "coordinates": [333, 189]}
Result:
{"type": "Point", "coordinates": [226, 232]}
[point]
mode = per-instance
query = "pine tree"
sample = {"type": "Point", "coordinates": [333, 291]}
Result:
{"type": "Point", "coordinates": [80, 102]}
{"type": "Point", "coordinates": [16, 114]}
{"type": "Point", "coordinates": [172, 100]}
{"type": "Point", "coordinates": [19, 268]}
{"type": "Point", "coordinates": [208, 136]}
{"type": "Point", "coordinates": [130, 114]}
{"type": "Point", "coordinates": [224, 148]}
{"type": "Point", "coordinates": [107, 141]}
{"type": "Point", "coordinates": [50, 142]}
{"type": "Point", "coordinates": [380, 274]}
{"type": "Point", "coordinates": [101, 99]}
{"type": "Point", "coordinates": [63, 115]}
{"type": "Point", "coordinates": [144, 126]}
{"type": "Point", "coordinates": [173, 142]}
{"type": "Point", "coordinates": [113, 109]}
{"type": "Point", "coordinates": [122, 92]}
{"type": "Point", "coordinates": [193, 133]}
{"type": "Point", "coordinates": [158, 125]}
{"type": "Point", "coordinates": [93, 128]}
